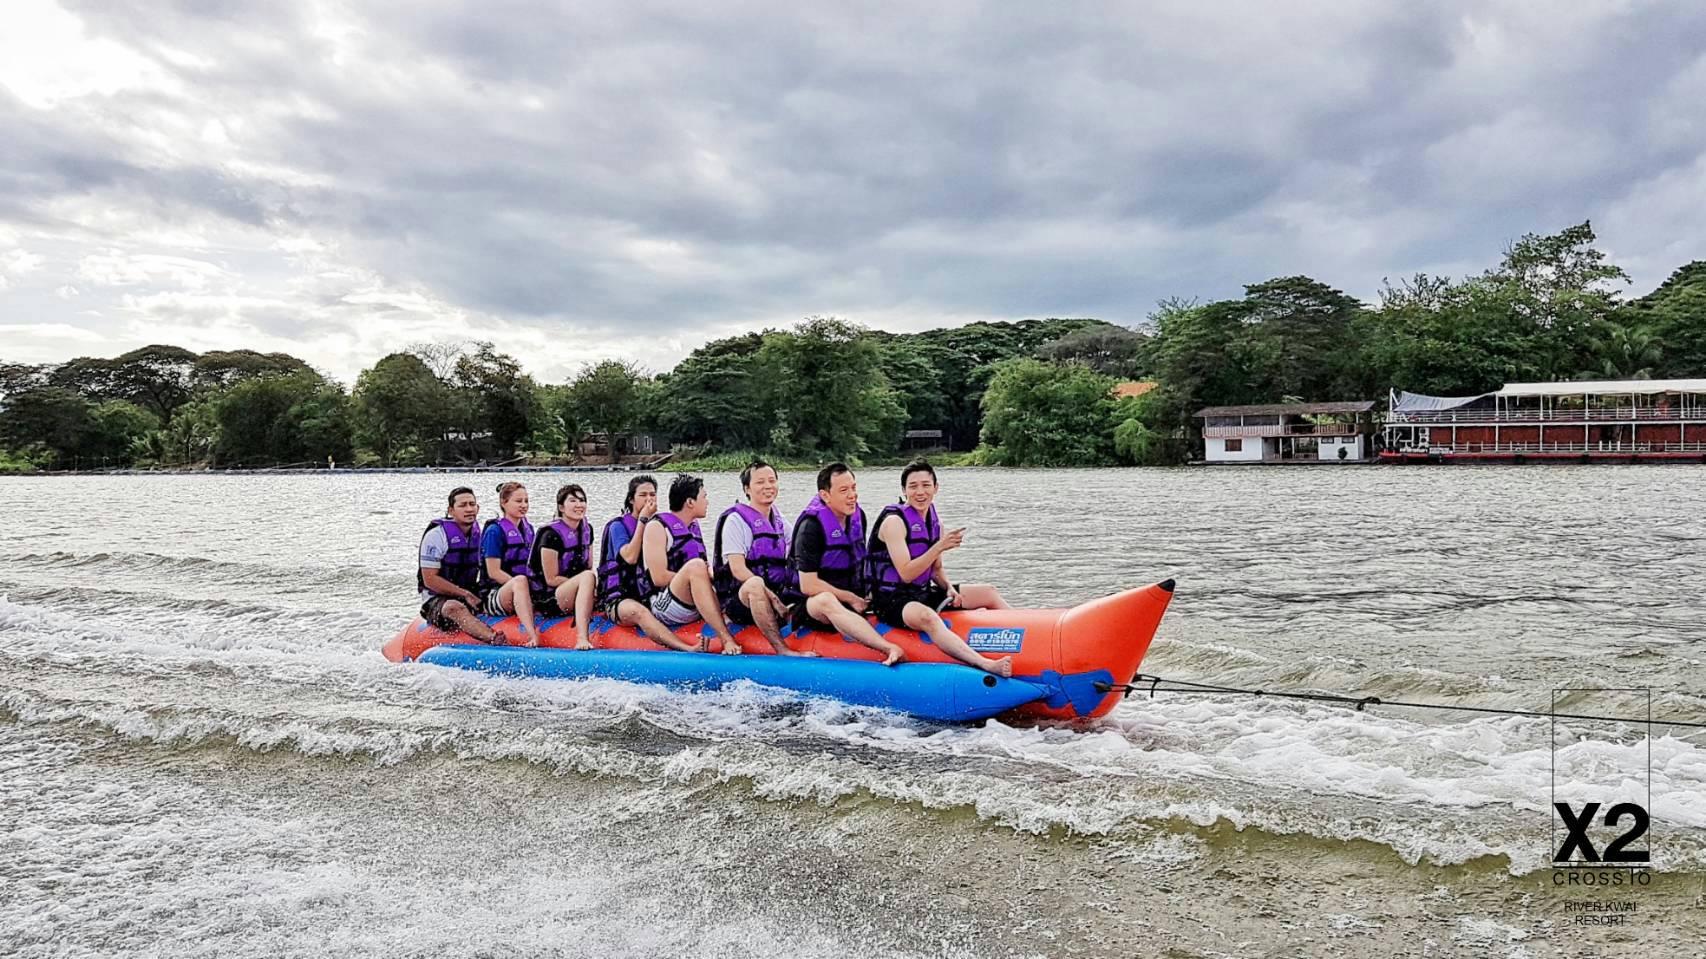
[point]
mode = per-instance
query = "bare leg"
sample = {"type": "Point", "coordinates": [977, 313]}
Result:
{"type": "Point", "coordinates": [576, 593]}
{"type": "Point", "coordinates": [632, 612]}
{"type": "Point", "coordinates": [467, 622]}
{"type": "Point", "coordinates": [825, 608]}
{"type": "Point", "coordinates": [694, 578]}
{"type": "Point", "coordinates": [981, 596]}
{"type": "Point", "coordinates": [516, 597]}
{"type": "Point", "coordinates": [924, 619]}
{"type": "Point", "coordinates": [765, 614]}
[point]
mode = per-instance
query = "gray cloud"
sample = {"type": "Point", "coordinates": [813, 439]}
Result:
{"type": "Point", "coordinates": [629, 179]}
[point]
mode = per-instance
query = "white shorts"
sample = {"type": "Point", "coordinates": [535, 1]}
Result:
{"type": "Point", "coordinates": [671, 611]}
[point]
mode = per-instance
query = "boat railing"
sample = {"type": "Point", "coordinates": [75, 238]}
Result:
{"type": "Point", "coordinates": [1288, 429]}
{"type": "Point", "coordinates": [1602, 447]}
{"type": "Point", "coordinates": [1604, 414]}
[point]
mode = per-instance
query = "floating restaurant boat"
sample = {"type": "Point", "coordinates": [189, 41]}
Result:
{"type": "Point", "coordinates": [1621, 421]}
{"type": "Point", "coordinates": [1063, 659]}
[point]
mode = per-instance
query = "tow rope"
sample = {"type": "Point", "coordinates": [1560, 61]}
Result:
{"type": "Point", "coordinates": [1154, 684]}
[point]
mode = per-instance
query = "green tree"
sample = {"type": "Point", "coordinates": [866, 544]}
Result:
{"type": "Point", "coordinates": [607, 398]}
{"type": "Point", "coordinates": [1108, 349]}
{"type": "Point", "coordinates": [1623, 353]}
{"type": "Point", "coordinates": [1295, 339]}
{"type": "Point", "coordinates": [291, 418]}
{"type": "Point", "coordinates": [193, 435]}
{"type": "Point", "coordinates": [1046, 414]}
{"type": "Point", "coordinates": [717, 396]}
{"type": "Point", "coordinates": [828, 392]}
{"type": "Point", "coordinates": [51, 424]}
{"type": "Point", "coordinates": [400, 409]}
{"type": "Point", "coordinates": [221, 369]}
{"type": "Point", "coordinates": [1675, 314]}
{"type": "Point", "coordinates": [157, 378]}
{"type": "Point", "coordinates": [496, 397]}
{"type": "Point", "coordinates": [115, 426]}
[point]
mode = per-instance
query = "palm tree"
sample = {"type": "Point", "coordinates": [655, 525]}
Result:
{"type": "Point", "coordinates": [1624, 353]}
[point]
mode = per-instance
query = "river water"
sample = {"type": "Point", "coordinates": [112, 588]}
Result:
{"type": "Point", "coordinates": [203, 754]}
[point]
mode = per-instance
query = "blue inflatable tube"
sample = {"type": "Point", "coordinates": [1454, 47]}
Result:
{"type": "Point", "coordinates": [935, 691]}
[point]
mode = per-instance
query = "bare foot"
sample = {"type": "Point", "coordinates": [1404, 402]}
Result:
{"type": "Point", "coordinates": [584, 644]}
{"type": "Point", "coordinates": [893, 657]}
{"type": "Point", "coordinates": [499, 638]}
{"type": "Point", "coordinates": [731, 647]}
{"type": "Point", "coordinates": [1000, 667]}
{"type": "Point", "coordinates": [783, 650]}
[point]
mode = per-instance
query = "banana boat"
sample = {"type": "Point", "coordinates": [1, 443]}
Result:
{"type": "Point", "coordinates": [1064, 660]}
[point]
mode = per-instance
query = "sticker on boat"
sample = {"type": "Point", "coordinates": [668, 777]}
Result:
{"type": "Point", "coordinates": [1004, 639]}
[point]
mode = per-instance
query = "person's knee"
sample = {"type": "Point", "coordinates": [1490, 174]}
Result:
{"type": "Point", "coordinates": [455, 608]}
{"type": "Point", "coordinates": [752, 592]}
{"type": "Point", "coordinates": [822, 606]}
{"type": "Point", "coordinates": [920, 617]}
{"type": "Point", "coordinates": [694, 569]}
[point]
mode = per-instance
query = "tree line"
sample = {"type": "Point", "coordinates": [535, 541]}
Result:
{"type": "Point", "coordinates": [1032, 392]}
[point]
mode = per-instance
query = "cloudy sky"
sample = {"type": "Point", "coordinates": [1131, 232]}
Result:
{"type": "Point", "coordinates": [630, 179]}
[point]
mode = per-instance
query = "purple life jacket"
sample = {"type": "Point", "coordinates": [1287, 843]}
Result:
{"type": "Point", "coordinates": [461, 563]}
{"type": "Point", "coordinates": [575, 555]}
{"type": "Point", "coordinates": [767, 559]}
{"type": "Point", "coordinates": [618, 579]}
{"type": "Point", "coordinates": [518, 546]}
{"type": "Point", "coordinates": [922, 532]}
{"type": "Point", "coordinates": [685, 542]}
{"type": "Point", "coordinates": [843, 564]}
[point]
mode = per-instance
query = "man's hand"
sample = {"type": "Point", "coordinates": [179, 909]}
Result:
{"type": "Point", "coordinates": [952, 539]}
{"type": "Point", "coordinates": [857, 604]}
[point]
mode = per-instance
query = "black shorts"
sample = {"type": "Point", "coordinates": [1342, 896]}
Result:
{"type": "Point", "coordinates": [433, 612]}
{"type": "Point", "coordinates": [739, 613]}
{"type": "Point", "coordinates": [889, 605]}
{"type": "Point", "coordinates": [545, 604]}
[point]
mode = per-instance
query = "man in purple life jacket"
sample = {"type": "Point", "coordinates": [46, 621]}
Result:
{"type": "Point", "coordinates": [448, 572]}
{"type": "Point", "coordinates": [674, 557]}
{"type": "Point", "coordinates": [909, 587]}
{"type": "Point", "coordinates": [829, 553]}
{"type": "Point", "coordinates": [754, 581]}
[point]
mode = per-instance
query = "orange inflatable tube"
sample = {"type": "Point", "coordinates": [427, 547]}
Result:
{"type": "Point", "coordinates": [1102, 641]}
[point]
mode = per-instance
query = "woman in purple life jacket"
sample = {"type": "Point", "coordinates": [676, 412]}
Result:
{"type": "Point", "coordinates": [909, 585]}
{"type": "Point", "coordinates": [560, 567]}
{"type": "Point", "coordinates": [505, 547]}
{"type": "Point", "coordinates": [447, 574]}
{"type": "Point", "coordinates": [621, 588]}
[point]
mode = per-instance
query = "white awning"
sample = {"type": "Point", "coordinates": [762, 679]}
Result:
{"type": "Point", "coordinates": [1418, 403]}
{"type": "Point", "coordinates": [1608, 387]}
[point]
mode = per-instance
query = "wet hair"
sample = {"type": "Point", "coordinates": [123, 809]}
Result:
{"type": "Point", "coordinates": [827, 475]}
{"type": "Point", "coordinates": [684, 487]}
{"type": "Point", "coordinates": [751, 468]}
{"type": "Point", "coordinates": [634, 487]}
{"type": "Point", "coordinates": [572, 489]}
{"type": "Point", "coordinates": [506, 490]}
{"type": "Point", "coordinates": [450, 503]}
{"type": "Point", "coordinates": [917, 466]}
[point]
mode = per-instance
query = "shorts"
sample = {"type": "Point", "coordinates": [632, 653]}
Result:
{"type": "Point", "coordinates": [545, 604]}
{"type": "Point", "coordinates": [492, 605]}
{"type": "Point", "coordinates": [433, 612]}
{"type": "Point", "coordinates": [739, 613]}
{"type": "Point", "coordinates": [671, 611]}
{"type": "Point", "coordinates": [890, 605]}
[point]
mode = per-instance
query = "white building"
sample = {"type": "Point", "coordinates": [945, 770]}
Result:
{"type": "Point", "coordinates": [1288, 433]}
